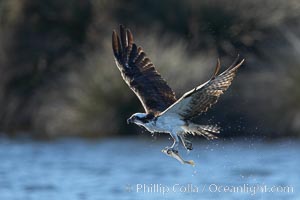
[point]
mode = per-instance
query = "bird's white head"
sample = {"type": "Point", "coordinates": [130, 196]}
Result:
{"type": "Point", "coordinates": [140, 118]}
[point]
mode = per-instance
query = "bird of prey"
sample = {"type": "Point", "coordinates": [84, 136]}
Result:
{"type": "Point", "coordinates": [163, 111]}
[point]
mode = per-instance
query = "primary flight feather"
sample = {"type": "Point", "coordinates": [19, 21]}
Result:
{"type": "Point", "coordinates": [163, 111]}
{"type": "Point", "coordinates": [140, 74]}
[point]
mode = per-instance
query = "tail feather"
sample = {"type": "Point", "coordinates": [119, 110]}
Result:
{"type": "Point", "coordinates": [210, 128]}
{"type": "Point", "coordinates": [206, 131]}
{"type": "Point", "coordinates": [206, 134]}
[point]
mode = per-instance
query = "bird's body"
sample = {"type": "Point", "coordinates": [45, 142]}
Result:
{"type": "Point", "coordinates": [165, 124]}
{"type": "Point", "coordinates": [164, 112]}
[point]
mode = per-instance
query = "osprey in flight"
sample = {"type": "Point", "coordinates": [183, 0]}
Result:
{"type": "Point", "coordinates": [163, 111]}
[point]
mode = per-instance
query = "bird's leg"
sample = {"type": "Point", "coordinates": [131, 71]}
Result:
{"type": "Point", "coordinates": [174, 146]}
{"type": "Point", "coordinates": [186, 143]}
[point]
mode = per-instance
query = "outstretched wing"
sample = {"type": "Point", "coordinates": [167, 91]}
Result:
{"type": "Point", "coordinates": [201, 98]}
{"type": "Point", "coordinates": [139, 73]}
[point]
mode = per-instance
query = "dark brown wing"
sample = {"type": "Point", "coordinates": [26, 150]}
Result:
{"type": "Point", "coordinates": [139, 73]}
{"type": "Point", "coordinates": [200, 99]}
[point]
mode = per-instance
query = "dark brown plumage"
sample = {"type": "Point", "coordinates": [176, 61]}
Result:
{"type": "Point", "coordinates": [139, 73]}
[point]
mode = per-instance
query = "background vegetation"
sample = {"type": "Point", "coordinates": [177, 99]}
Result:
{"type": "Point", "coordinates": [58, 77]}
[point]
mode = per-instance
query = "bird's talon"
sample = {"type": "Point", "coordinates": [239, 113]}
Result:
{"type": "Point", "coordinates": [175, 151]}
{"type": "Point", "coordinates": [168, 150]}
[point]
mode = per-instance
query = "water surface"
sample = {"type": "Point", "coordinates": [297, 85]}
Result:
{"type": "Point", "coordinates": [135, 168]}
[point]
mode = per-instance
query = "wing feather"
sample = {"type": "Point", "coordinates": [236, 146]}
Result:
{"type": "Point", "coordinates": [140, 74]}
{"type": "Point", "coordinates": [200, 99]}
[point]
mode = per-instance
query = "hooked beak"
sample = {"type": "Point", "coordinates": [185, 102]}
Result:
{"type": "Point", "coordinates": [129, 121]}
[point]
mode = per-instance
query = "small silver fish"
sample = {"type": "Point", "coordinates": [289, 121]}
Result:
{"type": "Point", "coordinates": [175, 154]}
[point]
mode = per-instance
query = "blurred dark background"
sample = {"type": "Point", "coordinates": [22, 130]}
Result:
{"type": "Point", "coordinates": [58, 76]}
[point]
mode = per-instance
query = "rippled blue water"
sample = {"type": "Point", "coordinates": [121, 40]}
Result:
{"type": "Point", "coordinates": [136, 169]}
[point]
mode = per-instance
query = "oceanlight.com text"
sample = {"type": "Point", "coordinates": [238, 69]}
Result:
{"type": "Point", "coordinates": [212, 188]}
